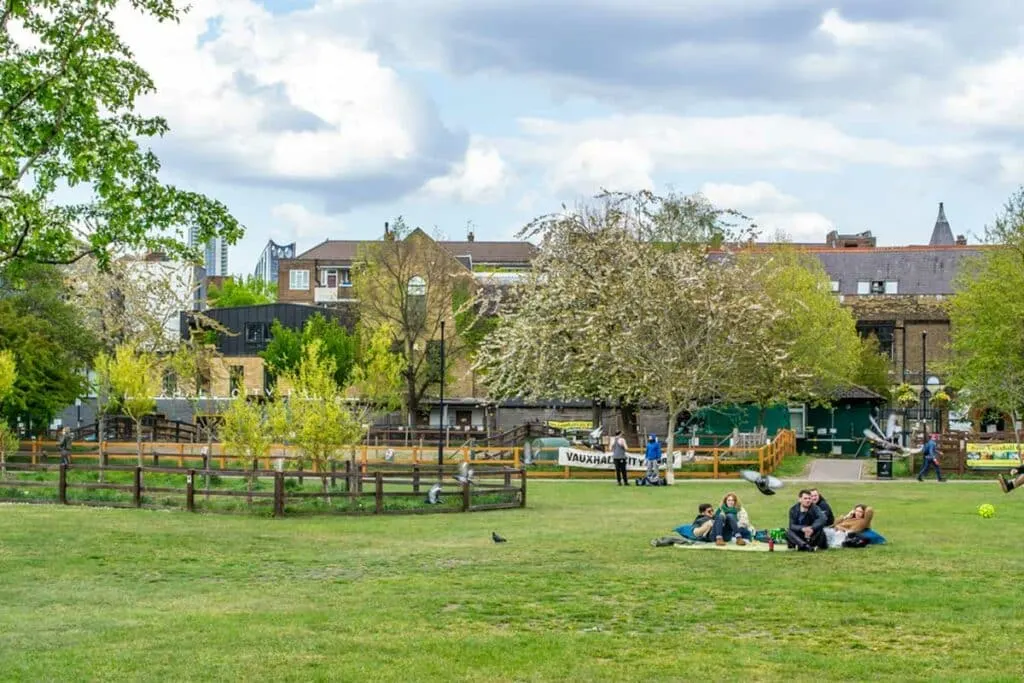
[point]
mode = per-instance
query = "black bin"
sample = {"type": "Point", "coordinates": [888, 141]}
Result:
{"type": "Point", "coordinates": [884, 468]}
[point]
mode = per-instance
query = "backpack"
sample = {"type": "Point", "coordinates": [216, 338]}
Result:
{"type": "Point", "coordinates": [855, 541]}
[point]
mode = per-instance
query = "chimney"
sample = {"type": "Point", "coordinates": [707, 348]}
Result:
{"type": "Point", "coordinates": [386, 229]}
{"type": "Point", "coordinates": [961, 241]}
{"type": "Point", "coordinates": [469, 236]}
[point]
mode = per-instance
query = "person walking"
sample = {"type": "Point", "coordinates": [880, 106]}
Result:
{"type": "Point", "coordinates": [931, 459]}
{"type": "Point", "coordinates": [619, 459]}
{"type": "Point", "coordinates": [64, 446]}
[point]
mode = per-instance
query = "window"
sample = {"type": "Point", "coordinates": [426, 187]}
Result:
{"type": "Point", "coordinates": [417, 301]}
{"type": "Point", "coordinates": [464, 418]}
{"type": "Point", "coordinates": [417, 286]}
{"type": "Point", "coordinates": [236, 379]}
{"type": "Point", "coordinates": [346, 277]}
{"type": "Point", "coordinates": [835, 286]}
{"type": "Point", "coordinates": [257, 333]}
{"type": "Point", "coordinates": [891, 287]}
{"type": "Point", "coordinates": [330, 277]}
{"type": "Point", "coordinates": [170, 383]}
{"type": "Point", "coordinates": [298, 279]}
{"type": "Point", "coordinates": [798, 420]}
{"type": "Point", "coordinates": [863, 287]}
{"type": "Point", "coordinates": [883, 331]}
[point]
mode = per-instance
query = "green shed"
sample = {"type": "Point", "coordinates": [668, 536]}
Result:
{"type": "Point", "coordinates": [838, 429]}
{"type": "Point", "coordinates": [721, 420]}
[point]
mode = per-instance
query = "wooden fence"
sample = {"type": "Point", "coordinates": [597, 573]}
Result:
{"type": "Point", "coordinates": [707, 462]}
{"type": "Point", "coordinates": [953, 450]}
{"type": "Point", "coordinates": [391, 490]}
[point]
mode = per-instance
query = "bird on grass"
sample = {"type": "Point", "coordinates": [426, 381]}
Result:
{"type": "Point", "coordinates": [434, 495]}
{"type": "Point", "coordinates": [498, 538]}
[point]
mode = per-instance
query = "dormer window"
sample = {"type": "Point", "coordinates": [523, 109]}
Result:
{"type": "Point", "coordinates": [877, 287]}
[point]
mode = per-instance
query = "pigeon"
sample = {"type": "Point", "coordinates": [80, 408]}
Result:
{"type": "Point", "coordinates": [434, 495]}
{"type": "Point", "coordinates": [766, 484]}
{"type": "Point", "coordinates": [465, 475]}
{"type": "Point", "coordinates": [389, 455]}
{"type": "Point", "coordinates": [497, 538]}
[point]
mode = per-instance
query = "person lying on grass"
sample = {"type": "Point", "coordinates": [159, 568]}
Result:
{"type": "Point", "coordinates": [856, 520]}
{"type": "Point", "coordinates": [1016, 483]}
{"type": "Point", "coordinates": [731, 521]}
{"type": "Point", "coordinates": [704, 523]}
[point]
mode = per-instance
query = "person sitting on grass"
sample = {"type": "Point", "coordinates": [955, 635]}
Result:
{"type": "Point", "coordinates": [819, 500]}
{"type": "Point", "coordinates": [704, 523]}
{"type": "Point", "coordinates": [731, 521]}
{"type": "Point", "coordinates": [1016, 483]}
{"type": "Point", "coordinates": [806, 530]}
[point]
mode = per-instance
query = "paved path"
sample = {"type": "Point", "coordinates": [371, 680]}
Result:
{"type": "Point", "coordinates": [835, 470]}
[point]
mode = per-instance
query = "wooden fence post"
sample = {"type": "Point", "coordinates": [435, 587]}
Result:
{"type": "Point", "coordinates": [137, 487]}
{"type": "Point", "coordinates": [379, 493]}
{"type": "Point", "coordinates": [714, 454]}
{"type": "Point", "coordinates": [190, 491]}
{"type": "Point", "coordinates": [522, 484]}
{"type": "Point", "coordinates": [416, 478]}
{"type": "Point", "coordinates": [348, 476]}
{"type": "Point", "coordinates": [279, 494]}
{"type": "Point", "coordinates": [334, 473]}
{"type": "Point", "coordinates": [508, 477]}
{"type": "Point", "coordinates": [62, 485]}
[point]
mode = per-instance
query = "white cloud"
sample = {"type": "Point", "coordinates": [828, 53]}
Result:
{"type": "Point", "coordinates": [774, 211]}
{"type": "Point", "coordinates": [298, 222]}
{"type": "Point", "coordinates": [873, 34]}
{"type": "Point", "coordinates": [990, 94]}
{"type": "Point", "coordinates": [481, 177]}
{"type": "Point", "coordinates": [627, 152]}
{"type": "Point", "coordinates": [277, 97]}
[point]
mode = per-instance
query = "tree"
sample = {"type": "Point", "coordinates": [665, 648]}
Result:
{"type": "Point", "coordinates": [135, 380]}
{"type": "Point", "coordinates": [51, 346]}
{"type": "Point", "coordinates": [284, 353]}
{"type": "Point", "coordinates": [810, 347]}
{"type": "Point", "coordinates": [68, 92]}
{"type": "Point", "coordinates": [408, 283]}
{"type": "Point", "coordinates": [8, 439]}
{"type": "Point", "coordinates": [251, 291]}
{"type": "Point", "coordinates": [247, 434]}
{"type": "Point", "coordinates": [378, 376]}
{"type": "Point", "coordinates": [317, 418]}
{"type": "Point", "coordinates": [873, 368]}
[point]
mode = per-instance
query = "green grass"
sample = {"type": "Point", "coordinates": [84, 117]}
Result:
{"type": "Point", "coordinates": [577, 594]}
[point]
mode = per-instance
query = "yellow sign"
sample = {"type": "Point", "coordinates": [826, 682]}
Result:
{"type": "Point", "coordinates": [570, 424]}
{"type": "Point", "coordinates": [992, 456]}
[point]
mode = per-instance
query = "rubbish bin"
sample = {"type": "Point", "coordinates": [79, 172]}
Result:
{"type": "Point", "coordinates": [884, 468]}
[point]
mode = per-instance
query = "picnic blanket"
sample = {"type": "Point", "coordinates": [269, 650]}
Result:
{"type": "Point", "coordinates": [752, 546]}
{"type": "Point", "coordinates": [760, 539]}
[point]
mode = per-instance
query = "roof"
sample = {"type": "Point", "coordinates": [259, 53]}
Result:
{"type": "Point", "coordinates": [480, 252]}
{"type": "Point", "coordinates": [856, 392]}
{"type": "Point", "coordinates": [927, 271]}
{"type": "Point", "coordinates": [942, 234]}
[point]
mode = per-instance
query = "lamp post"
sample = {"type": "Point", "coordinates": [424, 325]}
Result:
{"type": "Point", "coordinates": [78, 407]}
{"type": "Point", "coordinates": [440, 434]}
{"type": "Point", "coordinates": [924, 377]}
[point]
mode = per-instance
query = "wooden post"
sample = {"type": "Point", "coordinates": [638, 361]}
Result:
{"type": "Point", "coordinates": [62, 485]}
{"type": "Point", "coordinates": [279, 494]}
{"type": "Point", "coordinates": [465, 496]}
{"type": "Point", "coordinates": [181, 455]}
{"type": "Point", "coordinates": [137, 487]}
{"type": "Point", "coordinates": [379, 493]}
{"type": "Point", "coordinates": [190, 491]}
{"type": "Point", "coordinates": [301, 478]}
{"type": "Point", "coordinates": [508, 476]}
{"type": "Point", "coordinates": [760, 460]}
{"type": "Point", "coordinates": [334, 472]}
{"type": "Point", "coordinates": [714, 454]}
{"type": "Point", "coordinates": [416, 478]}
{"type": "Point", "coordinates": [155, 453]}
{"type": "Point", "coordinates": [522, 484]}
{"type": "Point", "coordinates": [348, 476]}
{"type": "Point", "coordinates": [515, 457]}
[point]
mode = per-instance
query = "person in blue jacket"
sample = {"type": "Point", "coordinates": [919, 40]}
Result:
{"type": "Point", "coordinates": [652, 456]}
{"type": "Point", "coordinates": [931, 458]}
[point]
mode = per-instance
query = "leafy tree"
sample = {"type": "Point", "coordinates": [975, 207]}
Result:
{"type": "Point", "coordinates": [8, 439]}
{"type": "Point", "coordinates": [284, 353]}
{"type": "Point", "coordinates": [247, 434]}
{"type": "Point", "coordinates": [378, 375]}
{"type": "Point", "coordinates": [135, 380]}
{"type": "Point", "coordinates": [251, 291]}
{"type": "Point", "coordinates": [873, 368]}
{"type": "Point", "coordinates": [68, 92]}
{"type": "Point", "coordinates": [316, 417]}
{"type": "Point", "coordinates": [408, 284]}
{"type": "Point", "coordinates": [810, 348]}
{"type": "Point", "coordinates": [50, 344]}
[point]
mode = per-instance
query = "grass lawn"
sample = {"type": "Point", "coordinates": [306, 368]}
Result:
{"type": "Point", "coordinates": [578, 594]}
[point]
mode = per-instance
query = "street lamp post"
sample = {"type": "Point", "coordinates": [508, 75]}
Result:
{"type": "Point", "coordinates": [924, 376]}
{"type": "Point", "coordinates": [440, 434]}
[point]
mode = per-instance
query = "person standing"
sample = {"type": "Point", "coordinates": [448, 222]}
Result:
{"type": "Point", "coordinates": [652, 456]}
{"type": "Point", "coordinates": [64, 446]}
{"type": "Point", "coordinates": [806, 530]}
{"type": "Point", "coordinates": [931, 458]}
{"type": "Point", "coordinates": [619, 459]}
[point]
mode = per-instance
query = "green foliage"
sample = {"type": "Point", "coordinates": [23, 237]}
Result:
{"type": "Point", "coordinates": [135, 380]}
{"type": "Point", "coordinates": [284, 353]}
{"type": "Point", "coordinates": [68, 92]}
{"type": "Point", "coordinates": [905, 396]}
{"type": "Point", "coordinates": [940, 400]}
{"type": "Point", "coordinates": [251, 291]}
{"type": "Point", "coordinates": [50, 344]}
{"type": "Point", "coordinates": [8, 373]}
{"type": "Point", "coordinates": [873, 368]}
{"type": "Point", "coordinates": [247, 433]}
{"type": "Point", "coordinates": [470, 324]}
{"type": "Point", "coordinates": [378, 375]}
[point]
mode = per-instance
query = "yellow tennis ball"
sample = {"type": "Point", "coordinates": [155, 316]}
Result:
{"type": "Point", "coordinates": [987, 510]}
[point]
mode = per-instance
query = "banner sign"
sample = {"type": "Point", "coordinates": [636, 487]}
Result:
{"type": "Point", "coordinates": [570, 424]}
{"type": "Point", "coordinates": [992, 456]}
{"type": "Point", "coordinates": [597, 460]}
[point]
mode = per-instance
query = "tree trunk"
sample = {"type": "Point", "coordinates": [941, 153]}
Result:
{"type": "Point", "coordinates": [762, 411]}
{"type": "Point", "coordinates": [101, 431]}
{"type": "Point", "coordinates": [630, 429]}
{"type": "Point", "coordinates": [138, 440]}
{"type": "Point", "coordinates": [327, 490]}
{"type": "Point", "coordinates": [596, 411]}
{"type": "Point", "coordinates": [670, 474]}
{"type": "Point", "coordinates": [412, 401]}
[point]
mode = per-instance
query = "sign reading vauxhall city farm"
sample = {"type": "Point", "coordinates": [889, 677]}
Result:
{"type": "Point", "coordinates": [596, 460]}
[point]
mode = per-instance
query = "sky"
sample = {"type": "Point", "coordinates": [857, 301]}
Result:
{"type": "Point", "coordinates": [322, 119]}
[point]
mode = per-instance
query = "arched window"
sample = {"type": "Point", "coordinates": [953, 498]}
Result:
{"type": "Point", "coordinates": [417, 286]}
{"type": "Point", "coordinates": [417, 291]}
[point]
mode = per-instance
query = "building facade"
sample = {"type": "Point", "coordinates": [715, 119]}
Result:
{"type": "Point", "coordinates": [267, 266]}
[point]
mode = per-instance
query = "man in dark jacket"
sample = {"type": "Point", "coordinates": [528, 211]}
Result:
{"type": "Point", "coordinates": [806, 530]}
{"type": "Point", "coordinates": [816, 498]}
